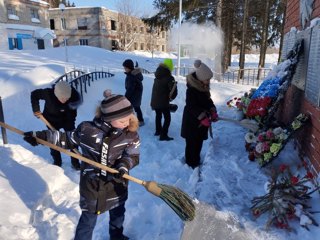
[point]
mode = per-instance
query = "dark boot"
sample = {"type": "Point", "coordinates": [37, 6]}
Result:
{"type": "Point", "coordinates": [56, 157]}
{"type": "Point", "coordinates": [165, 138]}
{"type": "Point", "coordinates": [75, 164]}
{"type": "Point", "coordinates": [121, 237]}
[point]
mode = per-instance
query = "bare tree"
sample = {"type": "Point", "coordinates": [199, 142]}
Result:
{"type": "Point", "coordinates": [129, 24]}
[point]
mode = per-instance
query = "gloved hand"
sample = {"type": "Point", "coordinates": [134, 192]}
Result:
{"type": "Point", "coordinates": [205, 122]}
{"type": "Point", "coordinates": [214, 116]}
{"type": "Point", "coordinates": [118, 177]}
{"type": "Point", "coordinates": [29, 137]}
{"type": "Point", "coordinates": [37, 114]}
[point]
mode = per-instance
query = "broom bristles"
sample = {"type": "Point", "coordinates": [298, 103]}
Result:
{"type": "Point", "coordinates": [179, 201]}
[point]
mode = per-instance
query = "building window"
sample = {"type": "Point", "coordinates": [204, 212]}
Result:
{"type": "Point", "coordinates": [34, 13]}
{"type": "Point", "coordinates": [135, 46]}
{"type": "Point", "coordinates": [142, 46]}
{"type": "Point", "coordinates": [113, 25]}
{"type": "Point", "coordinates": [63, 24]}
{"type": "Point", "coordinates": [142, 29]}
{"type": "Point", "coordinates": [83, 42]}
{"type": "Point", "coordinates": [114, 45]}
{"type": "Point", "coordinates": [163, 34]}
{"type": "Point", "coordinates": [11, 10]}
{"type": "Point", "coordinates": [82, 24]}
{"type": "Point", "coordinates": [163, 48]}
{"type": "Point", "coordinates": [52, 27]}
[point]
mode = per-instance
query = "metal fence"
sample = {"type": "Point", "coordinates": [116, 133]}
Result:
{"type": "Point", "coordinates": [82, 82]}
{"type": "Point", "coordinates": [247, 76]}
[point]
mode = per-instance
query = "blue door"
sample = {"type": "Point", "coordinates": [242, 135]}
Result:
{"type": "Point", "coordinates": [19, 45]}
{"type": "Point", "coordinates": [10, 41]}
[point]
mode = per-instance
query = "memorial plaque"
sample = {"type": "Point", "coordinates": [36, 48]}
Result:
{"type": "Point", "coordinates": [288, 43]}
{"type": "Point", "coordinates": [312, 90]}
{"type": "Point", "coordinates": [299, 78]}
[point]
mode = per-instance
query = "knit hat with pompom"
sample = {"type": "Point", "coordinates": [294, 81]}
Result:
{"type": "Point", "coordinates": [114, 106]}
{"type": "Point", "coordinates": [203, 72]}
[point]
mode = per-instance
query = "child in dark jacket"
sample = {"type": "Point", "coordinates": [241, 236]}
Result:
{"type": "Point", "coordinates": [110, 139]}
{"type": "Point", "coordinates": [134, 87]}
{"type": "Point", "coordinates": [198, 113]}
{"type": "Point", "coordinates": [60, 110]}
{"type": "Point", "coordinates": [160, 98]}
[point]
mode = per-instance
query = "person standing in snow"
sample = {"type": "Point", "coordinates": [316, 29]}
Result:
{"type": "Point", "coordinates": [198, 112]}
{"type": "Point", "coordinates": [110, 139]}
{"type": "Point", "coordinates": [60, 110]}
{"type": "Point", "coordinates": [134, 87]}
{"type": "Point", "coordinates": [163, 91]}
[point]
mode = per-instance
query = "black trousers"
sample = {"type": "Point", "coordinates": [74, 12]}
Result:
{"type": "Point", "coordinates": [139, 114]}
{"type": "Point", "coordinates": [192, 151]}
{"type": "Point", "coordinates": [88, 221]}
{"type": "Point", "coordinates": [163, 129]}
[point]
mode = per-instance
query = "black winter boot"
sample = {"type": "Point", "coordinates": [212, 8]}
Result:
{"type": "Point", "coordinates": [122, 237]}
{"type": "Point", "coordinates": [75, 164]}
{"type": "Point", "coordinates": [165, 138]}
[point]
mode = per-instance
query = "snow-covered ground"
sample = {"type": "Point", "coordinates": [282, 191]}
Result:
{"type": "Point", "coordinates": [40, 201]}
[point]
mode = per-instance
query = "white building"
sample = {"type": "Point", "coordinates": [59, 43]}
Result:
{"type": "Point", "coordinates": [24, 25]}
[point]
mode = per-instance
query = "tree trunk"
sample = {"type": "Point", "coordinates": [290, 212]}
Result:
{"type": "Point", "coordinates": [282, 32]}
{"type": "Point", "coordinates": [264, 37]}
{"type": "Point", "coordinates": [243, 39]}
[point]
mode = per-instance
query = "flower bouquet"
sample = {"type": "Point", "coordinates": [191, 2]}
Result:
{"type": "Point", "coordinates": [241, 103]}
{"type": "Point", "coordinates": [286, 199]}
{"type": "Point", "coordinates": [266, 145]}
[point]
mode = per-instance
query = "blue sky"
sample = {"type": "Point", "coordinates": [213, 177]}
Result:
{"type": "Point", "coordinates": [110, 4]}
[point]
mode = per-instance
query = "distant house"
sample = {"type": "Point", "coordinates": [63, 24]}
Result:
{"type": "Point", "coordinates": [24, 25]}
{"type": "Point", "coordinates": [303, 22]}
{"type": "Point", "coordinates": [104, 28]}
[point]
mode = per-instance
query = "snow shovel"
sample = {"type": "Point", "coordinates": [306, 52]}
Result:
{"type": "Point", "coordinates": [46, 122]}
{"type": "Point", "coordinates": [178, 200]}
{"type": "Point", "coordinates": [246, 123]}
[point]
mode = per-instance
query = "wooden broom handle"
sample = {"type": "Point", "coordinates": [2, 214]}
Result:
{"type": "Point", "coordinates": [78, 156]}
{"type": "Point", "coordinates": [46, 122]}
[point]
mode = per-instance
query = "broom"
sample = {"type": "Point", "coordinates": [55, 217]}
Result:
{"type": "Point", "coordinates": [179, 201]}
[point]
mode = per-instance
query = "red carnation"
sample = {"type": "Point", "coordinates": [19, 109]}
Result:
{"type": "Point", "coordinates": [294, 180]}
{"type": "Point", "coordinates": [309, 175]}
{"type": "Point", "coordinates": [283, 167]}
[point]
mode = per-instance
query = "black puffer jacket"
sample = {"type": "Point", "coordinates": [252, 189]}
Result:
{"type": "Point", "coordinates": [134, 87]}
{"type": "Point", "coordinates": [98, 191]}
{"type": "Point", "coordinates": [162, 86]}
{"type": "Point", "coordinates": [197, 102]}
{"type": "Point", "coordinates": [60, 115]}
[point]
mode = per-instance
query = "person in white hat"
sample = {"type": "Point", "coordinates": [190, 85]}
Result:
{"type": "Point", "coordinates": [60, 110]}
{"type": "Point", "coordinates": [198, 112]}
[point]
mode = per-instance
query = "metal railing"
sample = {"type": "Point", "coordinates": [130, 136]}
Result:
{"type": "Point", "coordinates": [250, 76]}
{"type": "Point", "coordinates": [70, 75]}
{"type": "Point", "coordinates": [83, 81]}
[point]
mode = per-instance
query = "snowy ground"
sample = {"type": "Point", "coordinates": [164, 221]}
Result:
{"type": "Point", "coordinates": [40, 201]}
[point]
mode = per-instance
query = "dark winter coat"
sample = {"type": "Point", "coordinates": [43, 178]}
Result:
{"type": "Point", "coordinates": [60, 115]}
{"type": "Point", "coordinates": [162, 85]}
{"type": "Point", "coordinates": [134, 87]}
{"type": "Point", "coordinates": [98, 191]}
{"type": "Point", "coordinates": [198, 103]}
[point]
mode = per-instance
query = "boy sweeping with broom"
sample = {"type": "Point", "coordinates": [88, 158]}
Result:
{"type": "Point", "coordinates": [111, 139]}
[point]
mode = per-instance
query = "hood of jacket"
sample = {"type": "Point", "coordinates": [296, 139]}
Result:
{"type": "Point", "coordinates": [162, 71]}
